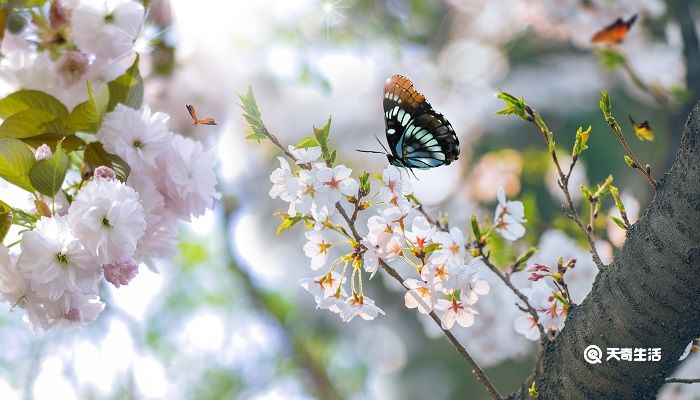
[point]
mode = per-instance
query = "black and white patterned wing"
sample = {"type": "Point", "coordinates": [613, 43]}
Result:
{"type": "Point", "coordinates": [418, 136]}
{"type": "Point", "coordinates": [428, 141]}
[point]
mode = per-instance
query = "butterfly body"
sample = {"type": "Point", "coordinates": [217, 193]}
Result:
{"type": "Point", "coordinates": [418, 136]}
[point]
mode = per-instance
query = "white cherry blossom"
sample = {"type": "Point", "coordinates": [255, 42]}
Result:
{"type": "Point", "coordinates": [509, 217]}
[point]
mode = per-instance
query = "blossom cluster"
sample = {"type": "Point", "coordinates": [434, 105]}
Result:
{"type": "Point", "coordinates": [549, 296]}
{"type": "Point", "coordinates": [446, 276]}
{"type": "Point", "coordinates": [110, 182]}
{"type": "Point", "coordinates": [108, 227]}
{"type": "Point", "coordinates": [79, 40]}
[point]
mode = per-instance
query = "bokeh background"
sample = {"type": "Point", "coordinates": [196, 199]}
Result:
{"type": "Point", "coordinates": [226, 318]}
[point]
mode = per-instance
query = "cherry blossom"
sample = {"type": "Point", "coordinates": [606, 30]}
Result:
{"type": "Point", "coordinates": [420, 296]}
{"type": "Point", "coordinates": [317, 249]}
{"type": "Point", "coordinates": [284, 184]}
{"type": "Point", "coordinates": [362, 306]}
{"type": "Point", "coordinates": [54, 261]}
{"type": "Point", "coordinates": [455, 311]}
{"type": "Point", "coordinates": [306, 156]}
{"type": "Point", "coordinates": [509, 217]}
{"type": "Point", "coordinates": [137, 136]}
{"type": "Point", "coordinates": [108, 219]}
{"type": "Point", "coordinates": [452, 243]}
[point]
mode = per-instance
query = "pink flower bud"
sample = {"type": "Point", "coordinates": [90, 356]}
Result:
{"type": "Point", "coordinates": [58, 15]}
{"type": "Point", "coordinates": [121, 273]}
{"type": "Point", "coordinates": [105, 172]}
{"type": "Point", "coordinates": [71, 67]}
{"type": "Point", "coordinates": [535, 277]}
{"type": "Point", "coordinates": [43, 152]}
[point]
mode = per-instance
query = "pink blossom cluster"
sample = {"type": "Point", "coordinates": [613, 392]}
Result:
{"type": "Point", "coordinates": [109, 227]}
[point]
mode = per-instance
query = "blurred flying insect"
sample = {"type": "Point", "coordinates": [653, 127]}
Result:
{"type": "Point", "coordinates": [197, 121]}
{"type": "Point", "coordinates": [643, 130]}
{"type": "Point", "coordinates": [615, 32]}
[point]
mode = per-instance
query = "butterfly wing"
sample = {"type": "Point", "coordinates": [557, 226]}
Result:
{"type": "Point", "coordinates": [193, 113]}
{"type": "Point", "coordinates": [401, 104]}
{"type": "Point", "coordinates": [418, 136]}
{"type": "Point", "coordinates": [428, 141]}
{"type": "Point", "coordinates": [206, 121]}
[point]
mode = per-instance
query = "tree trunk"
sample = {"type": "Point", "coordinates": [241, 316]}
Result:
{"type": "Point", "coordinates": [648, 297]}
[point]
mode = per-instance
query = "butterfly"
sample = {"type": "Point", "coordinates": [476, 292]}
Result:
{"type": "Point", "coordinates": [203, 121]}
{"type": "Point", "coordinates": [615, 32]}
{"type": "Point", "coordinates": [418, 136]}
{"type": "Point", "coordinates": [643, 130]}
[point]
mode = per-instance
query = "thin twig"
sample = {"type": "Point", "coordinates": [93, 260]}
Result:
{"type": "Point", "coordinates": [655, 94]}
{"type": "Point", "coordinates": [516, 291]}
{"type": "Point", "coordinates": [476, 369]}
{"type": "Point", "coordinates": [682, 380]}
{"type": "Point", "coordinates": [569, 208]}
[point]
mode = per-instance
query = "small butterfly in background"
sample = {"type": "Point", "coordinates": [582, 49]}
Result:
{"type": "Point", "coordinates": [615, 32]}
{"type": "Point", "coordinates": [643, 130]}
{"type": "Point", "coordinates": [418, 136]}
{"type": "Point", "coordinates": [197, 121]}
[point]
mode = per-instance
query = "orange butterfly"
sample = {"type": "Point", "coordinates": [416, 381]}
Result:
{"type": "Point", "coordinates": [203, 121]}
{"type": "Point", "coordinates": [615, 32]}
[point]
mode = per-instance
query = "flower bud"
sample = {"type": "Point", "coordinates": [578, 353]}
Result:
{"type": "Point", "coordinates": [43, 152]}
{"type": "Point", "coordinates": [121, 273]}
{"type": "Point", "coordinates": [105, 172]}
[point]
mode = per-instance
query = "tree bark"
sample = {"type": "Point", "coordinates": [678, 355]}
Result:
{"type": "Point", "coordinates": [648, 297]}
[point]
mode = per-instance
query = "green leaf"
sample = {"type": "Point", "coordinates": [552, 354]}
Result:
{"type": "Point", "coordinates": [47, 175]}
{"type": "Point", "coordinates": [618, 222]}
{"type": "Point", "coordinates": [32, 100]}
{"type": "Point", "coordinates": [16, 159]}
{"type": "Point", "coordinates": [365, 186]}
{"type": "Point", "coordinates": [251, 113]}
{"type": "Point", "coordinates": [256, 136]}
{"type": "Point", "coordinates": [605, 104]}
{"type": "Point", "coordinates": [288, 222]}
{"type": "Point", "coordinates": [87, 116]}
{"type": "Point", "coordinates": [513, 106]}
{"type": "Point", "coordinates": [322, 135]}
{"type": "Point", "coordinates": [126, 89]}
{"type": "Point", "coordinates": [521, 262]}
{"type": "Point", "coordinates": [69, 143]}
{"type": "Point", "coordinates": [475, 228]}
{"type": "Point", "coordinates": [6, 218]}
{"type": "Point", "coordinates": [95, 156]}
{"type": "Point", "coordinates": [307, 142]}
{"type": "Point", "coordinates": [581, 140]}
{"type": "Point", "coordinates": [532, 391]}
{"type": "Point", "coordinates": [28, 123]}
{"type": "Point", "coordinates": [611, 58]}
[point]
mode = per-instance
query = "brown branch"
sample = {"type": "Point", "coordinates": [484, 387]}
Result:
{"type": "Point", "coordinates": [569, 208]}
{"type": "Point", "coordinates": [682, 380]}
{"type": "Point", "coordinates": [521, 296]}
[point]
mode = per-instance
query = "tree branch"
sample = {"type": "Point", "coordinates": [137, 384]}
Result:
{"type": "Point", "coordinates": [682, 380]}
{"type": "Point", "coordinates": [646, 298]}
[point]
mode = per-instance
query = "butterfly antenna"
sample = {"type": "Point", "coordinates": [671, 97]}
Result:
{"type": "Point", "coordinates": [381, 144]}
{"type": "Point", "coordinates": [369, 151]}
{"type": "Point", "coordinates": [375, 152]}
